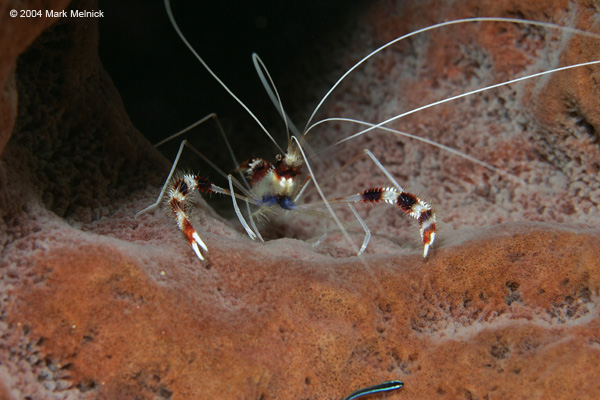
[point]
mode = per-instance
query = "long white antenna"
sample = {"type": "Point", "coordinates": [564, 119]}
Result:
{"type": "Point", "coordinates": [379, 125]}
{"type": "Point", "coordinates": [437, 26]}
{"type": "Point", "coordinates": [210, 71]}
{"type": "Point", "coordinates": [424, 140]}
{"type": "Point", "coordinates": [271, 90]}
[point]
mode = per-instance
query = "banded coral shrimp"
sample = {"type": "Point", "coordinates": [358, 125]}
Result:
{"type": "Point", "coordinates": [368, 194]}
{"type": "Point", "coordinates": [271, 185]}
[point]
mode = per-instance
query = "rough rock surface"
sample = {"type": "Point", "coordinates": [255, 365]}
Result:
{"type": "Point", "coordinates": [18, 33]}
{"type": "Point", "coordinates": [96, 304]}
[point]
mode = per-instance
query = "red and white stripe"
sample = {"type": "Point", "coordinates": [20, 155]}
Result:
{"type": "Point", "coordinates": [181, 188]}
{"type": "Point", "coordinates": [408, 203]}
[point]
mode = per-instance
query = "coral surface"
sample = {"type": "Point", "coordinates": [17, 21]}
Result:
{"type": "Point", "coordinates": [96, 304]}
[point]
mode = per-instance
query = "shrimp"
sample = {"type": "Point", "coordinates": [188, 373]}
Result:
{"type": "Point", "coordinates": [269, 185]}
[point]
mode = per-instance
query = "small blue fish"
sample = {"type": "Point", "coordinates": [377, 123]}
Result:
{"type": "Point", "coordinates": [382, 387]}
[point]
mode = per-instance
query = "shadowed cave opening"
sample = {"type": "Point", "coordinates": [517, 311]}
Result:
{"type": "Point", "coordinates": [164, 88]}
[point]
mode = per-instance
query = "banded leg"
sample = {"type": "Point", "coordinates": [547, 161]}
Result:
{"type": "Point", "coordinates": [408, 203]}
{"type": "Point", "coordinates": [180, 189]}
{"type": "Point", "coordinates": [413, 206]}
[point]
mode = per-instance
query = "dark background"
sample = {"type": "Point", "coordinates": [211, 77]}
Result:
{"type": "Point", "coordinates": [165, 88]}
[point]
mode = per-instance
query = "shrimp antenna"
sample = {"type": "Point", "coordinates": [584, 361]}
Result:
{"type": "Point", "coordinates": [271, 90]}
{"type": "Point", "coordinates": [379, 125]}
{"type": "Point", "coordinates": [440, 25]}
{"type": "Point", "coordinates": [210, 71]}
{"type": "Point", "coordinates": [424, 140]}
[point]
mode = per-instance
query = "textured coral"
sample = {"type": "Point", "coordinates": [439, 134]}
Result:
{"type": "Point", "coordinates": [96, 304]}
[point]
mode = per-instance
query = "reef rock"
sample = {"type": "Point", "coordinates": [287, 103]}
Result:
{"type": "Point", "coordinates": [96, 304]}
